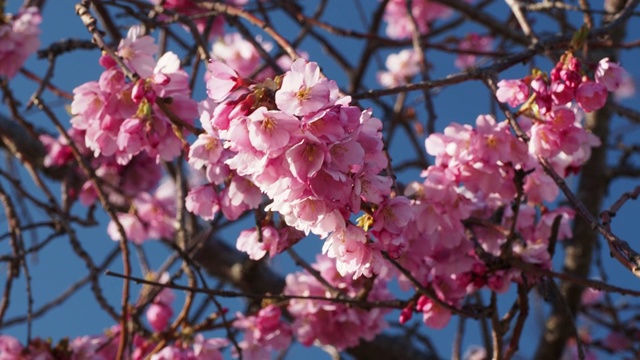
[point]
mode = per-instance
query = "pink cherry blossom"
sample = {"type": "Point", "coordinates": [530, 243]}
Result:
{"type": "Point", "coordinates": [401, 67]}
{"type": "Point", "coordinates": [256, 244]}
{"type": "Point", "coordinates": [263, 333]}
{"type": "Point", "coordinates": [208, 349]}
{"type": "Point", "coordinates": [59, 152]}
{"type": "Point", "coordinates": [545, 140]}
{"type": "Point", "coordinates": [203, 201]}
{"type": "Point", "coordinates": [304, 90]}
{"type": "Point", "coordinates": [544, 101]}
{"type": "Point", "coordinates": [434, 315]}
{"type": "Point", "coordinates": [306, 158]}
{"type": "Point", "coordinates": [137, 51]}
{"type": "Point", "coordinates": [472, 42]}
{"type": "Point", "coordinates": [206, 150]}
{"type": "Point", "coordinates": [626, 89]}
{"type": "Point", "coordinates": [610, 74]}
{"type": "Point", "coordinates": [399, 23]}
{"type": "Point", "coordinates": [157, 213]}
{"type": "Point", "coordinates": [222, 80]}
{"type": "Point", "coordinates": [591, 96]}
{"type": "Point", "coordinates": [18, 39]}
{"type": "Point", "coordinates": [390, 221]}
{"type": "Point", "coordinates": [513, 92]}
{"type": "Point", "coordinates": [351, 250]}
{"type": "Point", "coordinates": [10, 348]}
{"type": "Point", "coordinates": [133, 228]}
{"type": "Point", "coordinates": [158, 316]}
{"type": "Point", "coordinates": [329, 322]}
{"type": "Point", "coordinates": [271, 130]}
{"type": "Point", "coordinates": [238, 53]}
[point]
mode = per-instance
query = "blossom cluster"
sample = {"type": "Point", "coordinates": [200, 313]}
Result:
{"type": "Point", "coordinates": [319, 160]}
{"type": "Point", "coordinates": [121, 182]}
{"type": "Point", "coordinates": [401, 67]}
{"type": "Point", "coordinates": [423, 12]}
{"type": "Point", "coordinates": [105, 347]}
{"type": "Point", "coordinates": [191, 8]}
{"type": "Point", "coordinates": [130, 185]}
{"type": "Point", "coordinates": [121, 118]}
{"type": "Point", "coordinates": [316, 157]}
{"type": "Point", "coordinates": [473, 177]}
{"type": "Point", "coordinates": [568, 81]}
{"type": "Point", "coordinates": [553, 124]}
{"type": "Point", "coordinates": [467, 197]}
{"type": "Point", "coordinates": [330, 323]}
{"type": "Point", "coordinates": [263, 333]}
{"type": "Point", "coordinates": [471, 43]}
{"type": "Point", "coordinates": [208, 153]}
{"type": "Point", "coordinates": [404, 65]}
{"type": "Point", "coordinates": [151, 216]}
{"type": "Point", "coordinates": [120, 126]}
{"type": "Point", "coordinates": [238, 53]}
{"type": "Point", "coordinates": [18, 39]}
{"type": "Point", "coordinates": [293, 144]}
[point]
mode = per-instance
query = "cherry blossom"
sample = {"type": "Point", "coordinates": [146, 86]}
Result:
{"type": "Point", "coordinates": [121, 118]}
{"type": "Point", "coordinates": [401, 67]}
{"type": "Point", "coordinates": [10, 347]}
{"type": "Point", "coordinates": [18, 39]}
{"type": "Point", "coordinates": [513, 92]}
{"type": "Point", "coordinates": [303, 90]}
{"type": "Point", "coordinates": [328, 322]}
{"type": "Point", "coordinates": [256, 243]}
{"type": "Point", "coordinates": [610, 74]}
{"type": "Point", "coordinates": [472, 42]}
{"type": "Point", "coordinates": [424, 12]}
{"type": "Point", "coordinates": [591, 96]}
{"type": "Point", "coordinates": [222, 80]}
{"type": "Point", "coordinates": [160, 311]}
{"type": "Point", "coordinates": [263, 333]}
{"type": "Point", "coordinates": [238, 53]}
{"type": "Point", "coordinates": [190, 7]}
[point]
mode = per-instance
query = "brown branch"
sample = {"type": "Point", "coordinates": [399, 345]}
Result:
{"type": "Point", "coordinates": [87, 170]}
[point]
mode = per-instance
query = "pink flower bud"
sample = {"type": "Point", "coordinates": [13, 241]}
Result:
{"type": "Point", "coordinates": [158, 316]}
{"type": "Point", "coordinates": [106, 61]}
{"type": "Point", "coordinates": [137, 93]}
{"type": "Point", "coordinates": [405, 315]}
